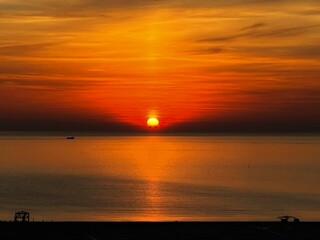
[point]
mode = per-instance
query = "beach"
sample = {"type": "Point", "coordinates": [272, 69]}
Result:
{"type": "Point", "coordinates": [159, 230]}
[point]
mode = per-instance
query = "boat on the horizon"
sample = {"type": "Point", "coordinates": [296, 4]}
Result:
{"type": "Point", "coordinates": [70, 137]}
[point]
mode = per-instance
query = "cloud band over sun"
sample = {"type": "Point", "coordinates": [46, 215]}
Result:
{"type": "Point", "coordinates": [202, 65]}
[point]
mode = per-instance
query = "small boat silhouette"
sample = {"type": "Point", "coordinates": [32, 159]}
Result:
{"type": "Point", "coordinates": [70, 137]}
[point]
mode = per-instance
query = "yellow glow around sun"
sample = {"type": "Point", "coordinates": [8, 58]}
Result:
{"type": "Point", "coordinates": [153, 122]}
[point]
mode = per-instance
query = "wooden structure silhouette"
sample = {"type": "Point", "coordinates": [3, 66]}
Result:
{"type": "Point", "coordinates": [285, 219]}
{"type": "Point", "coordinates": [22, 216]}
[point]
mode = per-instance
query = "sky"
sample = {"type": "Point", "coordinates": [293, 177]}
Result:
{"type": "Point", "coordinates": [196, 65]}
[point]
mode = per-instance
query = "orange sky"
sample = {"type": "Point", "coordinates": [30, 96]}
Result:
{"type": "Point", "coordinates": [194, 64]}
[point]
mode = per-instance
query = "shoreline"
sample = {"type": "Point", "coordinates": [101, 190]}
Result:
{"type": "Point", "coordinates": [160, 230]}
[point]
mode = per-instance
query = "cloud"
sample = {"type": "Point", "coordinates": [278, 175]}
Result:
{"type": "Point", "coordinates": [210, 50]}
{"type": "Point", "coordinates": [253, 26]}
{"type": "Point", "coordinates": [60, 8]}
{"type": "Point", "coordinates": [103, 8]}
{"type": "Point", "coordinates": [281, 32]}
{"type": "Point", "coordinates": [45, 84]}
{"type": "Point", "coordinates": [23, 49]}
{"type": "Point", "coordinates": [287, 31]}
{"type": "Point", "coordinates": [295, 51]}
{"type": "Point", "coordinates": [238, 3]}
{"type": "Point", "coordinates": [312, 51]}
{"type": "Point", "coordinates": [311, 12]}
{"type": "Point", "coordinates": [119, 3]}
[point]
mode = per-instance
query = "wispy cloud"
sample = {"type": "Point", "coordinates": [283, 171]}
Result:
{"type": "Point", "coordinates": [81, 8]}
{"type": "Point", "coordinates": [253, 26]}
{"type": "Point", "coordinates": [312, 51]}
{"type": "Point", "coordinates": [209, 50]}
{"type": "Point", "coordinates": [23, 49]}
{"type": "Point", "coordinates": [281, 32]}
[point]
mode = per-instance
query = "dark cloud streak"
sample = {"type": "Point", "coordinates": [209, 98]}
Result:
{"type": "Point", "coordinates": [253, 26]}
{"type": "Point", "coordinates": [24, 49]}
{"type": "Point", "coordinates": [283, 32]}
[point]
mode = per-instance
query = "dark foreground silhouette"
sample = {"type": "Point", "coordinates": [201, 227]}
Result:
{"type": "Point", "coordinates": [160, 230]}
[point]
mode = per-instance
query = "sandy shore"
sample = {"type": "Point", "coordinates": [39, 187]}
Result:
{"type": "Point", "coordinates": [159, 230]}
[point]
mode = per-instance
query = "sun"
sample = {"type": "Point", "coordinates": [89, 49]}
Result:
{"type": "Point", "coordinates": [153, 122]}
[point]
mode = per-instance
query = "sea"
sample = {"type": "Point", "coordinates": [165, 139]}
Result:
{"type": "Point", "coordinates": [160, 178]}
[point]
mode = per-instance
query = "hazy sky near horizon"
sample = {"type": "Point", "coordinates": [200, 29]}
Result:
{"type": "Point", "coordinates": [195, 64]}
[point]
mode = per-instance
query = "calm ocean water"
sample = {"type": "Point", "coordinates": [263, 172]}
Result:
{"type": "Point", "coordinates": [161, 178]}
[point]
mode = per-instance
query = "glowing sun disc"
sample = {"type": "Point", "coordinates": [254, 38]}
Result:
{"type": "Point", "coordinates": [153, 122]}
